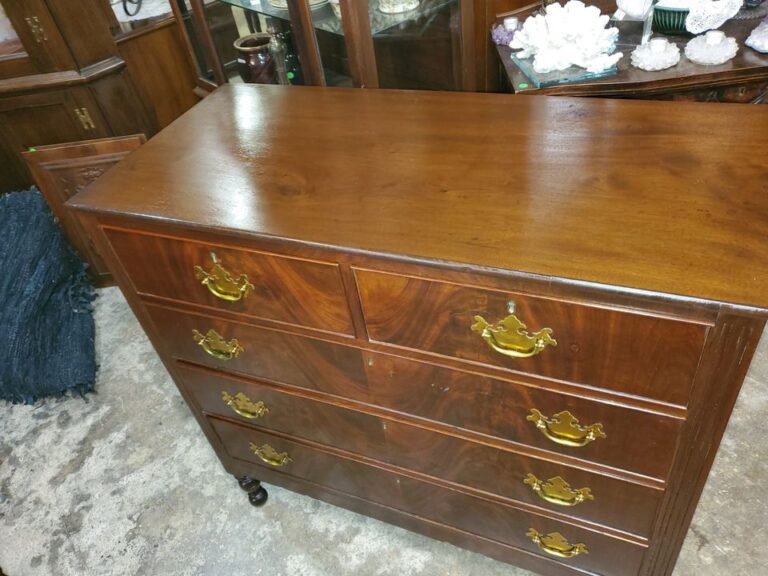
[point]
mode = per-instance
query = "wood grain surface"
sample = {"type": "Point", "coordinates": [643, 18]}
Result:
{"type": "Point", "coordinates": [291, 290]}
{"type": "Point", "coordinates": [636, 441]}
{"type": "Point", "coordinates": [631, 353]}
{"type": "Point", "coordinates": [489, 470]}
{"type": "Point", "coordinates": [62, 170]}
{"type": "Point", "coordinates": [663, 197]}
{"type": "Point", "coordinates": [474, 515]}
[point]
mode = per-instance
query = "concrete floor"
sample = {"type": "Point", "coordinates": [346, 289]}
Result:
{"type": "Point", "coordinates": [123, 483]}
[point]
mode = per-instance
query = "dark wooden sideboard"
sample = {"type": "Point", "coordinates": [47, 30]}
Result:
{"type": "Point", "coordinates": [514, 324]}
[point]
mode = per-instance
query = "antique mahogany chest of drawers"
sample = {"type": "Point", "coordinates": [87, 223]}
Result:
{"type": "Point", "coordinates": [514, 324]}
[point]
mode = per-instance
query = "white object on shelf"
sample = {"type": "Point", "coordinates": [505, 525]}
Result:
{"type": "Point", "coordinates": [706, 15]}
{"type": "Point", "coordinates": [511, 23]}
{"type": "Point", "coordinates": [758, 39]}
{"type": "Point", "coordinates": [397, 6]}
{"type": "Point", "coordinates": [565, 36]}
{"type": "Point", "coordinates": [657, 54]}
{"type": "Point", "coordinates": [637, 9]}
{"type": "Point", "coordinates": [711, 48]}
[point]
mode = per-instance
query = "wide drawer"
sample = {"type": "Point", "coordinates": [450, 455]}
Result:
{"type": "Point", "coordinates": [472, 514]}
{"type": "Point", "coordinates": [291, 290]}
{"type": "Point", "coordinates": [627, 352]}
{"type": "Point", "coordinates": [607, 501]}
{"type": "Point", "coordinates": [635, 440]}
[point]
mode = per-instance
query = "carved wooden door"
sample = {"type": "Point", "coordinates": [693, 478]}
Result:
{"type": "Point", "coordinates": [63, 170]}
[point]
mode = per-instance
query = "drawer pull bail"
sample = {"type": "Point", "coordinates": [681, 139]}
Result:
{"type": "Point", "coordinates": [244, 406]}
{"type": "Point", "coordinates": [558, 491]}
{"type": "Point", "coordinates": [563, 428]}
{"type": "Point", "coordinates": [215, 345]}
{"type": "Point", "coordinates": [270, 455]}
{"type": "Point", "coordinates": [511, 337]}
{"type": "Point", "coordinates": [556, 545]}
{"type": "Point", "coordinates": [221, 284]}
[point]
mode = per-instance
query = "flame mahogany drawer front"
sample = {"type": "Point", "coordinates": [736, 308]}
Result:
{"type": "Point", "coordinates": [601, 499]}
{"type": "Point", "coordinates": [625, 352]}
{"type": "Point", "coordinates": [291, 290]}
{"type": "Point", "coordinates": [587, 549]}
{"type": "Point", "coordinates": [634, 440]}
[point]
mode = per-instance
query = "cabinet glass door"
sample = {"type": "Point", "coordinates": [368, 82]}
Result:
{"type": "Point", "coordinates": [417, 43]}
{"type": "Point", "coordinates": [304, 52]}
{"type": "Point", "coordinates": [409, 44]}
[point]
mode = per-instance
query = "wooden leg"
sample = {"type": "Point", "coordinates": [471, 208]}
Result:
{"type": "Point", "coordinates": [257, 495]}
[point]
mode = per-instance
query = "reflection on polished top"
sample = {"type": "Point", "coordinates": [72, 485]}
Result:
{"type": "Point", "coordinates": [657, 196]}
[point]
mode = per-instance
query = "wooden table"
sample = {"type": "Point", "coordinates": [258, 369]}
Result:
{"type": "Point", "coordinates": [515, 324]}
{"type": "Point", "coordinates": [743, 79]}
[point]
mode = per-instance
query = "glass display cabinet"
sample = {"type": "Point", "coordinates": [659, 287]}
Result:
{"type": "Point", "coordinates": [407, 44]}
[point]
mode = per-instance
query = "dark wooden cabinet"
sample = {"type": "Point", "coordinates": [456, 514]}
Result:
{"type": "Point", "coordinates": [531, 354]}
{"type": "Point", "coordinates": [45, 117]}
{"type": "Point", "coordinates": [64, 78]}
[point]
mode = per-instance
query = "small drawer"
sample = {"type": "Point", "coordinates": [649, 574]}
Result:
{"type": "Point", "coordinates": [635, 440]}
{"type": "Point", "coordinates": [601, 499]}
{"type": "Point", "coordinates": [626, 352]}
{"type": "Point", "coordinates": [263, 406]}
{"type": "Point", "coordinates": [291, 290]}
{"type": "Point", "coordinates": [301, 461]}
{"type": "Point", "coordinates": [599, 552]}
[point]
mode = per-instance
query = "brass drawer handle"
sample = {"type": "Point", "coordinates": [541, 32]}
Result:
{"type": "Point", "coordinates": [215, 345]}
{"type": "Point", "coordinates": [270, 455]}
{"type": "Point", "coordinates": [244, 406]}
{"type": "Point", "coordinates": [563, 428]}
{"type": "Point", "coordinates": [556, 545]}
{"type": "Point", "coordinates": [221, 284]}
{"type": "Point", "coordinates": [511, 337]}
{"type": "Point", "coordinates": [558, 491]}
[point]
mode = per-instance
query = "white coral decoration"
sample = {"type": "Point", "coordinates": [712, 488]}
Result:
{"type": "Point", "coordinates": [758, 40]}
{"type": "Point", "coordinates": [573, 34]}
{"type": "Point", "coordinates": [710, 14]}
{"type": "Point", "coordinates": [658, 54]}
{"type": "Point", "coordinates": [711, 48]}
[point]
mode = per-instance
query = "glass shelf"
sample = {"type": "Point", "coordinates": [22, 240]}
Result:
{"type": "Point", "coordinates": [567, 76]}
{"type": "Point", "coordinates": [323, 17]}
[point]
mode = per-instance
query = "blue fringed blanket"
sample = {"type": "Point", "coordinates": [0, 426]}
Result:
{"type": "Point", "coordinates": [46, 322]}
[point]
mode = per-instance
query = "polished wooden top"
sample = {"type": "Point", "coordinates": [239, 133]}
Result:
{"type": "Point", "coordinates": [658, 196]}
